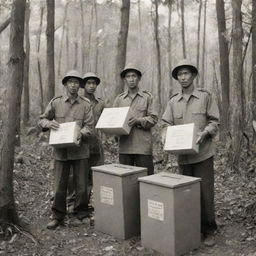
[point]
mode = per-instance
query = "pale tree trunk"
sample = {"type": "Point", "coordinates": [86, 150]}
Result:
{"type": "Point", "coordinates": [4, 25]}
{"type": "Point", "coordinates": [122, 45]}
{"type": "Point", "coordinates": [203, 51]}
{"type": "Point", "coordinates": [254, 55]}
{"type": "Point", "coordinates": [50, 91]}
{"type": "Point", "coordinates": [67, 44]}
{"type": "Point", "coordinates": [75, 65]}
{"type": "Point", "coordinates": [198, 37]}
{"type": "Point", "coordinates": [224, 69]}
{"type": "Point", "coordinates": [41, 93]}
{"type": "Point", "coordinates": [89, 66]}
{"type": "Point", "coordinates": [158, 56]}
{"type": "Point", "coordinates": [183, 30]}
{"type": "Point", "coordinates": [26, 68]}
{"type": "Point", "coordinates": [170, 3]}
{"type": "Point", "coordinates": [83, 35]}
{"type": "Point", "coordinates": [97, 35]}
{"type": "Point", "coordinates": [140, 27]}
{"type": "Point", "coordinates": [237, 103]}
{"type": "Point", "coordinates": [8, 213]}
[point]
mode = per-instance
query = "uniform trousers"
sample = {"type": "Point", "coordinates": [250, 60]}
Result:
{"type": "Point", "coordinates": [138, 160]}
{"type": "Point", "coordinates": [80, 177]}
{"type": "Point", "coordinates": [205, 171]}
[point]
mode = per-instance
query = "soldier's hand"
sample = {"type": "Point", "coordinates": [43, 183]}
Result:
{"type": "Point", "coordinates": [53, 125]}
{"type": "Point", "coordinates": [201, 137]}
{"type": "Point", "coordinates": [133, 121]}
{"type": "Point", "coordinates": [79, 138]}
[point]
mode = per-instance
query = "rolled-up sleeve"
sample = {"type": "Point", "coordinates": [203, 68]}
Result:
{"type": "Point", "coordinates": [47, 116]}
{"type": "Point", "coordinates": [88, 125]}
{"type": "Point", "coordinates": [167, 118]}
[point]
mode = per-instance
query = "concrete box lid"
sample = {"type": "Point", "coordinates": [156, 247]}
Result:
{"type": "Point", "coordinates": [169, 180]}
{"type": "Point", "coordinates": [119, 169]}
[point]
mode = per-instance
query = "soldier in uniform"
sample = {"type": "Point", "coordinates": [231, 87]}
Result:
{"type": "Point", "coordinates": [196, 105]}
{"type": "Point", "coordinates": [136, 148]}
{"type": "Point", "coordinates": [68, 108]}
{"type": "Point", "coordinates": [91, 81]}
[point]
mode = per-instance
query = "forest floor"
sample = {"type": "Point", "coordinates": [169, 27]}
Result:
{"type": "Point", "coordinates": [235, 201]}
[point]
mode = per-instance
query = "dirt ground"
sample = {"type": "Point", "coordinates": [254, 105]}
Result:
{"type": "Point", "coordinates": [235, 209]}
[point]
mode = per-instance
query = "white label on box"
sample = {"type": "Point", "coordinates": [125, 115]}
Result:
{"type": "Point", "coordinates": [155, 210]}
{"type": "Point", "coordinates": [106, 195]}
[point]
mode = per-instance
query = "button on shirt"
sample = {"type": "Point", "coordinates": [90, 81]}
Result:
{"type": "Point", "coordinates": [63, 110]}
{"type": "Point", "coordinates": [200, 109]}
{"type": "Point", "coordinates": [139, 141]}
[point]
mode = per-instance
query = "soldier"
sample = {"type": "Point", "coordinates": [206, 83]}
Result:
{"type": "Point", "coordinates": [136, 148]}
{"type": "Point", "coordinates": [67, 108]}
{"type": "Point", "coordinates": [196, 105]}
{"type": "Point", "coordinates": [91, 82]}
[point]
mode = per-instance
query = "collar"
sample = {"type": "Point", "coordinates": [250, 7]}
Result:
{"type": "Point", "coordinates": [66, 98]}
{"type": "Point", "coordinates": [139, 92]}
{"type": "Point", "coordinates": [195, 93]}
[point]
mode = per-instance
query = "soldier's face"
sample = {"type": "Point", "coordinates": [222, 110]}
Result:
{"type": "Point", "coordinates": [72, 85]}
{"type": "Point", "coordinates": [131, 79]}
{"type": "Point", "coordinates": [185, 77]}
{"type": "Point", "coordinates": [90, 86]}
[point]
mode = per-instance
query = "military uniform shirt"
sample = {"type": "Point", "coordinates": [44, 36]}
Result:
{"type": "Point", "coordinates": [62, 110]}
{"type": "Point", "coordinates": [200, 109]}
{"type": "Point", "coordinates": [139, 141]}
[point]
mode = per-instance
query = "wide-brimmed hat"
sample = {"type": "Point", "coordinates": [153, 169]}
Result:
{"type": "Point", "coordinates": [91, 75]}
{"type": "Point", "coordinates": [183, 64]}
{"type": "Point", "coordinates": [73, 74]}
{"type": "Point", "coordinates": [130, 67]}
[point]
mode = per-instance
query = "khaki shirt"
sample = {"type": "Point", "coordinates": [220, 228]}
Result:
{"type": "Point", "coordinates": [62, 110]}
{"type": "Point", "coordinates": [139, 141]}
{"type": "Point", "coordinates": [200, 109]}
{"type": "Point", "coordinates": [94, 141]}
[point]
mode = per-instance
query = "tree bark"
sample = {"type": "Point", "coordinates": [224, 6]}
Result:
{"type": "Point", "coordinates": [204, 46]}
{"type": "Point", "coordinates": [198, 38]}
{"type": "Point", "coordinates": [254, 55]}
{"type": "Point", "coordinates": [183, 30]}
{"type": "Point", "coordinates": [5, 24]}
{"type": "Point", "coordinates": [97, 36]}
{"type": "Point", "coordinates": [83, 34]}
{"type": "Point", "coordinates": [26, 95]}
{"type": "Point", "coordinates": [122, 45]}
{"type": "Point", "coordinates": [170, 3]}
{"type": "Point", "coordinates": [237, 103]}
{"type": "Point", "coordinates": [8, 213]}
{"type": "Point", "coordinates": [50, 50]}
{"type": "Point", "coordinates": [224, 68]}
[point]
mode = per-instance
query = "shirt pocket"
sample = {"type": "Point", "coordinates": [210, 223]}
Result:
{"type": "Point", "coordinates": [178, 117]}
{"type": "Point", "coordinates": [59, 117]}
{"type": "Point", "coordinates": [199, 118]}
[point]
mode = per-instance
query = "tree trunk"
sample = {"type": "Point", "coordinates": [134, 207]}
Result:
{"type": "Point", "coordinates": [203, 52]}
{"type": "Point", "coordinates": [158, 57]}
{"type": "Point", "coordinates": [183, 30]}
{"type": "Point", "coordinates": [254, 55]}
{"type": "Point", "coordinates": [170, 2]}
{"type": "Point", "coordinates": [237, 103]}
{"type": "Point", "coordinates": [140, 27]}
{"type": "Point", "coordinates": [122, 45]}
{"type": "Point", "coordinates": [224, 68]}
{"type": "Point", "coordinates": [89, 66]}
{"type": "Point", "coordinates": [26, 68]}
{"type": "Point", "coordinates": [198, 38]}
{"type": "Point", "coordinates": [4, 25]}
{"type": "Point", "coordinates": [50, 50]}
{"type": "Point", "coordinates": [83, 34]}
{"type": "Point", "coordinates": [8, 213]}
{"type": "Point", "coordinates": [97, 36]}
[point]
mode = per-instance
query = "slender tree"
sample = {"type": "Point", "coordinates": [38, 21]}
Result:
{"type": "Point", "coordinates": [26, 67]}
{"type": "Point", "coordinates": [254, 54]}
{"type": "Point", "coordinates": [198, 36]}
{"type": "Point", "coordinates": [122, 45]}
{"type": "Point", "coordinates": [83, 34]}
{"type": "Point", "coordinates": [50, 50]}
{"type": "Point", "coordinates": [8, 213]}
{"type": "Point", "coordinates": [183, 29]}
{"type": "Point", "coordinates": [203, 70]}
{"type": "Point", "coordinates": [170, 3]}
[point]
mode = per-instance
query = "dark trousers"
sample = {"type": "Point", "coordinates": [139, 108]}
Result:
{"type": "Point", "coordinates": [205, 171]}
{"type": "Point", "coordinates": [80, 178]}
{"type": "Point", "coordinates": [138, 160]}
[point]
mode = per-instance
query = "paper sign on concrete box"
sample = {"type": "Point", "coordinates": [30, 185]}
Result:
{"type": "Point", "coordinates": [114, 121]}
{"type": "Point", "coordinates": [181, 139]}
{"type": "Point", "coordinates": [65, 136]}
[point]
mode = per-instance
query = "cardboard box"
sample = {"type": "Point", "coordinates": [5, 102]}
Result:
{"type": "Point", "coordinates": [181, 139]}
{"type": "Point", "coordinates": [116, 199]}
{"type": "Point", "coordinates": [114, 121]}
{"type": "Point", "coordinates": [170, 213]}
{"type": "Point", "coordinates": [65, 136]}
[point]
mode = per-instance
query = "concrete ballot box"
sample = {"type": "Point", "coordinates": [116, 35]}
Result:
{"type": "Point", "coordinates": [181, 139]}
{"type": "Point", "coordinates": [65, 136]}
{"type": "Point", "coordinates": [114, 121]}
{"type": "Point", "coordinates": [116, 199]}
{"type": "Point", "coordinates": [170, 213]}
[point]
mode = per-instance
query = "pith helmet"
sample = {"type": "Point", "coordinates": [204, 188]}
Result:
{"type": "Point", "coordinates": [184, 64]}
{"type": "Point", "coordinates": [73, 74]}
{"type": "Point", "coordinates": [130, 67]}
{"type": "Point", "coordinates": [91, 75]}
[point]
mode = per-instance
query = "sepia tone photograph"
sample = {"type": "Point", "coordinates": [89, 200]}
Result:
{"type": "Point", "coordinates": [128, 127]}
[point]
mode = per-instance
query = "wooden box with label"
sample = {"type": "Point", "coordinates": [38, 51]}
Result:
{"type": "Point", "coordinates": [116, 199]}
{"type": "Point", "coordinates": [170, 213]}
{"type": "Point", "coordinates": [181, 139]}
{"type": "Point", "coordinates": [65, 136]}
{"type": "Point", "coordinates": [114, 121]}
